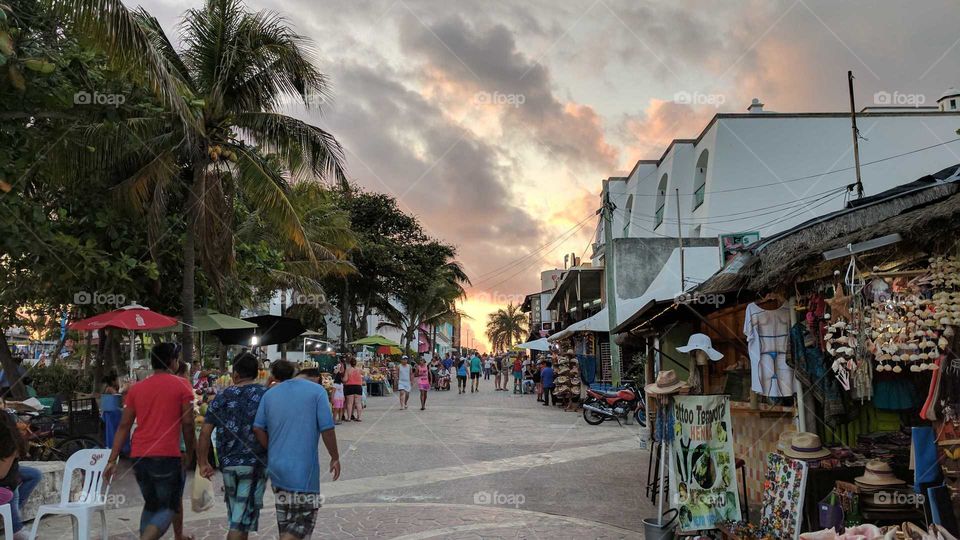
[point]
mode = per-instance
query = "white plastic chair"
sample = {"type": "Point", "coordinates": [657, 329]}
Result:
{"type": "Point", "coordinates": [91, 500]}
{"type": "Point", "coordinates": [7, 521]}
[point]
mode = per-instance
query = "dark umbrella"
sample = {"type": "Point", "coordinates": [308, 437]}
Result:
{"type": "Point", "coordinates": [270, 330]}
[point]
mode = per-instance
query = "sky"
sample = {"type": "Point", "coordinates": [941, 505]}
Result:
{"type": "Point", "coordinates": [495, 122]}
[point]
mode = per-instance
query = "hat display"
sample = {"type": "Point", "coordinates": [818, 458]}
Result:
{"type": "Point", "coordinates": [806, 446]}
{"type": "Point", "coordinates": [878, 473]}
{"type": "Point", "coordinates": [701, 342]}
{"type": "Point", "coordinates": [667, 383]}
{"type": "Point", "coordinates": [786, 438]}
{"type": "Point", "coordinates": [570, 352]}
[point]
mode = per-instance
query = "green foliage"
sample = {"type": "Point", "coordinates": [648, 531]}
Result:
{"type": "Point", "coordinates": [59, 379]}
{"type": "Point", "coordinates": [506, 327]}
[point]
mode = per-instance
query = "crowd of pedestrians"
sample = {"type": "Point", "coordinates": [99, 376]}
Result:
{"type": "Point", "coordinates": [271, 431]}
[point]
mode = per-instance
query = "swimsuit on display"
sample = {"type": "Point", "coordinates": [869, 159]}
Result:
{"type": "Point", "coordinates": [768, 336]}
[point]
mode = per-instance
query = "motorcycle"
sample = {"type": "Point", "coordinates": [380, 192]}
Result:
{"type": "Point", "coordinates": [628, 403]}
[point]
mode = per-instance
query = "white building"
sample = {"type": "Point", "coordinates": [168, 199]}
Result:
{"type": "Point", "coordinates": [766, 172]}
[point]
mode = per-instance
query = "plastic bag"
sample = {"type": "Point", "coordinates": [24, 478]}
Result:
{"type": "Point", "coordinates": [201, 499]}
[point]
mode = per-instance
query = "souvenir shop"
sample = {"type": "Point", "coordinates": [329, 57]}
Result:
{"type": "Point", "coordinates": [836, 343]}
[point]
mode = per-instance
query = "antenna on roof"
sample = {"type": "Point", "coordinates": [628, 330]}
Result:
{"type": "Point", "coordinates": [856, 135]}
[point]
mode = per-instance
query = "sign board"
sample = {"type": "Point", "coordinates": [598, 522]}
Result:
{"type": "Point", "coordinates": [703, 472]}
{"type": "Point", "coordinates": [733, 243]}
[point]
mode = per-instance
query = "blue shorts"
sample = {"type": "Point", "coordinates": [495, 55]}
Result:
{"type": "Point", "coordinates": [243, 488]}
{"type": "Point", "coordinates": [161, 484]}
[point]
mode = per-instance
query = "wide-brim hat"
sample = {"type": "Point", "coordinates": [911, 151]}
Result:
{"type": "Point", "coordinates": [667, 383]}
{"type": "Point", "coordinates": [570, 352]}
{"type": "Point", "coordinates": [878, 473]}
{"type": "Point", "coordinates": [785, 439]}
{"type": "Point", "coordinates": [701, 342]}
{"type": "Point", "coordinates": [806, 446]}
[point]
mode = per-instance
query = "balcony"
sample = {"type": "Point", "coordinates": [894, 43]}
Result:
{"type": "Point", "coordinates": [699, 195]}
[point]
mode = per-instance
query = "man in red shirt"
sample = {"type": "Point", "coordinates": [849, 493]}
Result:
{"type": "Point", "coordinates": [162, 406]}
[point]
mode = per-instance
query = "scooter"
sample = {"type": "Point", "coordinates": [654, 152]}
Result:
{"type": "Point", "coordinates": [628, 403]}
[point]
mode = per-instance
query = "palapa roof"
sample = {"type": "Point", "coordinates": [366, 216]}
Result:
{"type": "Point", "coordinates": [925, 212]}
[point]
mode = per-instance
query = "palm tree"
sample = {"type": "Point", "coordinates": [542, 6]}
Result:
{"type": "Point", "coordinates": [220, 94]}
{"type": "Point", "coordinates": [434, 304]}
{"type": "Point", "coordinates": [506, 327]}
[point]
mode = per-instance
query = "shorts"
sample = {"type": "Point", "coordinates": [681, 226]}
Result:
{"type": "Point", "coordinates": [353, 390]}
{"type": "Point", "coordinates": [474, 374]}
{"type": "Point", "coordinates": [517, 375]}
{"type": "Point", "coordinates": [338, 403]}
{"type": "Point", "coordinates": [161, 482]}
{"type": "Point", "coordinates": [296, 512]}
{"type": "Point", "coordinates": [243, 488]}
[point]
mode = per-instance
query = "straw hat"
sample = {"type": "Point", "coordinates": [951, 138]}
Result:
{"type": "Point", "coordinates": [806, 446]}
{"type": "Point", "coordinates": [701, 342]}
{"type": "Point", "coordinates": [570, 352]}
{"type": "Point", "coordinates": [667, 383]}
{"type": "Point", "coordinates": [878, 473]}
{"type": "Point", "coordinates": [786, 438]}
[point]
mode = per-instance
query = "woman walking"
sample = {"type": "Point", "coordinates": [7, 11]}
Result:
{"type": "Point", "coordinates": [403, 382]}
{"type": "Point", "coordinates": [353, 391]}
{"type": "Point", "coordinates": [461, 375]}
{"type": "Point", "coordinates": [423, 375]}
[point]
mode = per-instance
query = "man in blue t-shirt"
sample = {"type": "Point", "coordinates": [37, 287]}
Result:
{"type": "Point", "coordinates": [292, 418]}
{"type": "Point", "coordinates": [546, 378]}
{"type": "Point", "coordinates": [475, 367]}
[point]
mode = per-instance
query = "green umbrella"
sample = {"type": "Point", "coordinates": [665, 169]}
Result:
{"type": "Point", "coordinates": [207, 320]}
{"type": "Point", "coordinates": [375, 340]}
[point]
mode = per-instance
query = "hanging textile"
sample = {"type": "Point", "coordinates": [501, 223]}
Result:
{"type": "Point", "coordinates": [768, 337]}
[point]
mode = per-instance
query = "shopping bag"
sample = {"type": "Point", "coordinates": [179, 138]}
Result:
{"type": "Point", "coordinates": [201, 499]}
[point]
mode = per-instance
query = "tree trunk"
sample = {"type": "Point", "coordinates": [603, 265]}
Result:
{"type": "Point", "coordinates": [345, 321]}
{"type": "Point", "coordinates": [188, 291]}
{"type": "Point", "coordinates": [283, 310]}
{"type": "Point", "coordinates": [17, 391]}
{"type": "Point", "coordinates": [433, 341]}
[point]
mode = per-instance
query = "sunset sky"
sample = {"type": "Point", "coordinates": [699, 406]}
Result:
{"type": "Point", "coordinates": [495, 122]}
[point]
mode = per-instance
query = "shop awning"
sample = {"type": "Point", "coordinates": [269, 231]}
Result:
{"type": "Point", "coordinates": [597, 323]}
{"type": "Point", "coordinates": [536, 345]}
{"type": "Point", "coordinates": [699, 263]}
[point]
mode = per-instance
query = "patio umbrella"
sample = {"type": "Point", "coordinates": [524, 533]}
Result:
{"type": "Point", "coordinates": [376, 340]}
{"type": "Point", "coordinates": [388, 350]}
{"type": "Point", "coordinates": [270, 330]}
{"type": "Point", "coordinates": [133, 317]}
{"type": "Point", "coordinates": [208, 320]}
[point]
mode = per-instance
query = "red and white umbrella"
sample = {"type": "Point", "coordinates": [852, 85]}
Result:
{"type": "Point", "coordinates": [133, 317]}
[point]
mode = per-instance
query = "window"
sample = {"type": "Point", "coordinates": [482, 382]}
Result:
{"type": "Point", "coordinates": [629, 218]}
{"type": "Point", "coordinates": [953, 104]}
{"type": "Point", "coordinates": [700, 180]}
{"type": "Point", "coordinates": [661, 201]}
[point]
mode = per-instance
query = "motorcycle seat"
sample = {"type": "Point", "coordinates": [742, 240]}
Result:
{"type": "Point", "coordinates": [604, 393]}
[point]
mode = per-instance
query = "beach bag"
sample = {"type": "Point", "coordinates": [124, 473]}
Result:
{"type": "Point", "coordinates": [201, 499]}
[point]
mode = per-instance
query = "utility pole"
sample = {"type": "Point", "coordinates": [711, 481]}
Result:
{"type": "Point", "coordinates": [609, 273]}
{"type": "Point", "coordinates": [683, 282]}
{"type": "Point", "coordinates": [856, 135]}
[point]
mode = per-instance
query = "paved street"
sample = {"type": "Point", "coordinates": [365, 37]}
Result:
{"type": "Point", "coordinates": [485, 465]}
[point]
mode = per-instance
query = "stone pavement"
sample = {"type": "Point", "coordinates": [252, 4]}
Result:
{"type": "Point", "coordinates": [485, 465]}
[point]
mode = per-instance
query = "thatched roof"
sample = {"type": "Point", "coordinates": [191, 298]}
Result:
{"type": "Point", "coordinates": [926, 215]}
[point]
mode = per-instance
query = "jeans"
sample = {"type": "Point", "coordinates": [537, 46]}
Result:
{"type": "Point", "coordinates": [29, 478]}
{"type": "Point", "coordinates": [161, 484]}
{"type": "Point", "coordinates": [486, 374]}
{"type": "Point", "coordinates": [547, 393]}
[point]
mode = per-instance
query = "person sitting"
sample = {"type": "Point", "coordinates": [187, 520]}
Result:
{"type": "Point", "coordinates": [21, 480]}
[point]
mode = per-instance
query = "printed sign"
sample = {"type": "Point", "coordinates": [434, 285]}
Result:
{"type": "Point", "coordinates": [703, 472]}
{"type": "Point", "coordinates": [731, 244]}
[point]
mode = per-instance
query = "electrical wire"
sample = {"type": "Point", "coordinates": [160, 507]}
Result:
{"type": "Point", "coordinates": [807, 177]}
{"type": "Point", "coordinates": [486, 275]}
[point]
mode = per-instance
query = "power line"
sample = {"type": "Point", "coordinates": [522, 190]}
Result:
{"type": "Point", "coordinates": [807, 177]}
{"type": "Point", "coordinates": [499, 269]}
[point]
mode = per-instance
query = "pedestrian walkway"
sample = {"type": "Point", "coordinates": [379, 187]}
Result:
{"type": "Point", "coordinates": [484, 465]}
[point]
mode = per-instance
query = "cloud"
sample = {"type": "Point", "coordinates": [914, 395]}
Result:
{"type": "Point", "coordinates": [647, 135]}
{"type": "Point", "coordinates": [487, 65]}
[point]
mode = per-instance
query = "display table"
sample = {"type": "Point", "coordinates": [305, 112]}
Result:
{"type": "Point", "coordinates": [48, 490]}
{"type": "Point", "coordinates": [375, 388]}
